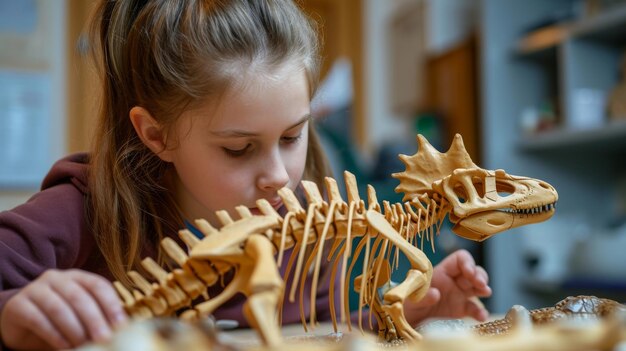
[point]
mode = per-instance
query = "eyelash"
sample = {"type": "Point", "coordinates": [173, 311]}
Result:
{"type": "Point", "coordinates": [242, 152]}
{"type": "Point", "coordinates": [292, 140]}
{"type": "Point", "coordinates": [236, 153]}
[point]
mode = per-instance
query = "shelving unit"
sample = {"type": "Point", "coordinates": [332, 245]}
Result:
{"type": "Point", "coordinates": [583, 54]}
{"type": "Point", "coordinates": [521, 70]}
{"type": "Point", "coordinates": [609, 138]}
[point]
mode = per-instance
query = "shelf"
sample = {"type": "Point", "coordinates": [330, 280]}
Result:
{"type": "Point", "coordinates": [605, 27]}
{"type": "Point", "coordinates": [611, 137]}
{"type": "Point", "coordinates": [542, 42]}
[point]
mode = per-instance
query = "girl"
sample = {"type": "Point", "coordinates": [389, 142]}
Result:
{"type": "Point", "coordinates": [205, 106]}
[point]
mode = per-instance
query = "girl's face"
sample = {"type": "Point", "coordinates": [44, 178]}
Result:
{"type": "Point", "coordinates": [246, 146]}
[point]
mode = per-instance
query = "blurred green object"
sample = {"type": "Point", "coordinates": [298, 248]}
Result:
{"type": "Point", "coordinates": [430, 125]}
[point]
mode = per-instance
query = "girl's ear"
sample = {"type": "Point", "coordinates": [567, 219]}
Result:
{"type": "Point", "coordinates": [150, 132]}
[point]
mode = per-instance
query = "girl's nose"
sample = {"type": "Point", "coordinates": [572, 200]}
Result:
{"type": "Point", "coordinates": [273, 175]}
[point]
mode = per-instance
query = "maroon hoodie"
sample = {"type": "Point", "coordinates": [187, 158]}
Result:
{"type": "Point", "coordinates": [49, 231]}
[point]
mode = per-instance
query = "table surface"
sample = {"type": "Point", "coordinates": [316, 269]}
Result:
{"type": "Point", "coordinates": [246, 337]}
{"type": "Point", "coordinates": [249, 337]}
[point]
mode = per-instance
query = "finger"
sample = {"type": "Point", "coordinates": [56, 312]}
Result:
{"type": "Point", "coordinates": [60, 315]}
{"type": "Point", "coordinates": [43, 329]}
{"type": "Point", "coordinates": [481, 287]}
{"type": "Point", "coordinates": [467, 265]}
{"type": "Point", "coordinates": [458, 263]}
{"type": "Point", "coordinates": [485, 292]}
{"type": "Point", "coordinates": [85, 308]}
{"type": "Point", "coordinates": [106, 297]}
{"type": "Point", "coordinates": [34, 342]}
{"type": "Point", "coordinates": [481, 272]}
{"type": "Point", "coordinates": [473, 287]}
{"type": "Point", "coordinates": [464, 284]}
{"type": "Point", "coordinates": [475, 309]}
{"type": "Point", "coordinates": [476, 275]}
{"type": "Point", "coordinates": [432, 297]}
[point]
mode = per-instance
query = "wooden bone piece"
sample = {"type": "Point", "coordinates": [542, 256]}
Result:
{"type": "Point", "coordinates": [302, 240]}
{"type": "Point", "coordinates": [175, 296]}
{"type": "Point", "coordinates": [325, 230]}
{"type": "Point", "coordinates": [156, 303]}
{"type": "Point", "coordinates": [196, 268]}
{"type": "Point", "coordinates": [132, 306]}
{"type": "Point", "coordinates": [417, 280]}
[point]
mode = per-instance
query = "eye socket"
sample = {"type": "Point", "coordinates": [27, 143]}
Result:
{"type": "Point", "coordinates": [460, 193]}
{"type": "Point", "coordinates": [505, 189]}
{"type": "Point", "coordinates": [236, 152]}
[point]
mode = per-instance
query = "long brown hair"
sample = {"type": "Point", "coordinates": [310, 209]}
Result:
{"type": "Point", "coordinates": [166, 55]}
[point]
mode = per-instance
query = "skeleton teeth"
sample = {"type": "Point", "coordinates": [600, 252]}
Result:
{"type": "Point", "coordinates": [528, 211]}
{"type": "Point", "coordinates": [534, 210]}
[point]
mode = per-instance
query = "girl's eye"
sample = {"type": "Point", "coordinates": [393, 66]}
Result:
{"type": "Point", "coordinates": [236, 152]}
{"type": "Point", "coordinates": [291, 139]}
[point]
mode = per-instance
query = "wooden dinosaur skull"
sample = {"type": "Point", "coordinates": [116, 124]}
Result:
{"type": "Point", "coordinates": [481, 202]}
{"type": "Point", "coordinates": [485, 203]}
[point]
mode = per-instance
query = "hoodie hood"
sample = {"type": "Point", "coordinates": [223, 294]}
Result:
{"type": "Point", "coordinates": [70, 169]}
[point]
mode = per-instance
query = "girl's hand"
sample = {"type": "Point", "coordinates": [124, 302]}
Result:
{"type": "Point", "coordinates": [455, 287]}
{"type": "Point", "coordinates": [59, 310]}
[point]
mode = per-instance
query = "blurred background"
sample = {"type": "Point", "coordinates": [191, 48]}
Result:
{"type": "Point", "coordinates": [535, 87]}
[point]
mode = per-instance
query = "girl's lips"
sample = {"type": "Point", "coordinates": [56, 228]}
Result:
{"type": "Point", "coordinates": [275, 203]}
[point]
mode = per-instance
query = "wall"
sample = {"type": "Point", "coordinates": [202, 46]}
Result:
{"type": "Point", "coordinates": [36, 49]}
{"type": "Point", "coordinates": [383, 125]}
{"type": "Point", "coordinates": [448, 23]}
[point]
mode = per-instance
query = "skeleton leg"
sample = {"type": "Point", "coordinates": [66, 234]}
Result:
{"type": "Point", "coordinates": [417, 280]}
{"type": "Point", "coordinates": [264, 290]}
{"type": "Point", "coordinates": [386, 328]}
{"type": "Point", "coordinates": [236, 285]}
{"type": "Point", "coordinates": [393, 302]}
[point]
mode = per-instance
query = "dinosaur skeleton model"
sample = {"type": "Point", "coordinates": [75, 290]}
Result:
{"type": "Point", "coordinates": [479, 202]}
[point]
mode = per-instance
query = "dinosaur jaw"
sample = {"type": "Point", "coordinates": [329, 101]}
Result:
{"type": "Point", "coordinates": [483, 225]}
